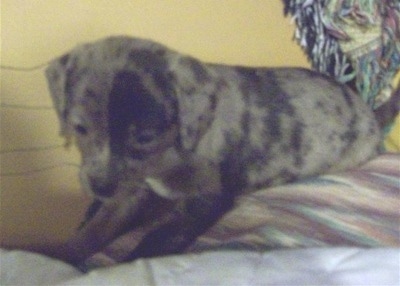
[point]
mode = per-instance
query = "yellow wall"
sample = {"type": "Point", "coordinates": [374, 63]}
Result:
{"type": "Point", "coordinates": [44, 207]}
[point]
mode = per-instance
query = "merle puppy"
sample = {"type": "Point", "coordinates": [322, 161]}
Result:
{"type": "Point", "coordinates": [169, 141]}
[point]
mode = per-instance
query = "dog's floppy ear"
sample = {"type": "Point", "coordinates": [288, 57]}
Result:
{"type": "Point", "coordinates": [197, 100]}
{"type": "Point", "coordinates": [56, 74]}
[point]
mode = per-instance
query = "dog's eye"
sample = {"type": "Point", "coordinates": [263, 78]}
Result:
{"type": "Point", "coordinates": [80, 129]}
{"type": "Point", "coordinates": [146, 136]}
{"type": "Point", "coordinates": [139, 137]}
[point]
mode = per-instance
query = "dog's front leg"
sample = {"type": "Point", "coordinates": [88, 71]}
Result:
{"type": "Point", "coordinates": [199, 202]}
{"type": "Point", "coordinates": [197, 214]}
{"type": "Point", "coordinates": [112, 219]}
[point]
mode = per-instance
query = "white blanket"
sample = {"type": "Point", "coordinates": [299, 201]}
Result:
{"type": "Point", "coordinates": [315, 266]}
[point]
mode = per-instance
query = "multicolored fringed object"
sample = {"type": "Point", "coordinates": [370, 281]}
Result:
{"type": "Point", "coordinates": [356, 41]}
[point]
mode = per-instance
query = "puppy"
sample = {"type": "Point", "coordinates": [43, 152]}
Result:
{"type": "Point", "coordinates": [169, 141]}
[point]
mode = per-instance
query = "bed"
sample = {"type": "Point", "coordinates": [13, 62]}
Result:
{"type": "Point", "coordinates": [336, 229]}
{"type": "Point", "coordinates": [313, 266]}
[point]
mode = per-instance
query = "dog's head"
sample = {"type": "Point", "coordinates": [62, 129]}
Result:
{"type": "Point", "coordinates": [116, 98]}
{"type": "Point", "coordinates": [128, 103]}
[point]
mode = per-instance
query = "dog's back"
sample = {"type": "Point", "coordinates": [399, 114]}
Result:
{"type": "Point", "coordinates": [275, 125]}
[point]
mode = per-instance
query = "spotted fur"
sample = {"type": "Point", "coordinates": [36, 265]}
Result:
{"type": "Point", "coordinates": [169, 141]}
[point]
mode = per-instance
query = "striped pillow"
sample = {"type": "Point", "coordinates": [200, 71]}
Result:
{"type": "Point", "coordinates": [359, 207]}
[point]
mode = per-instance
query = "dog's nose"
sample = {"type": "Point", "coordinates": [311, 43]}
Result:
{"type": "Point", "coordinates": [102, 188]}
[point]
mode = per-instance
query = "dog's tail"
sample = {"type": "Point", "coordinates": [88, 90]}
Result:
{"type": "Point", "coordinates": [387, 112]}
